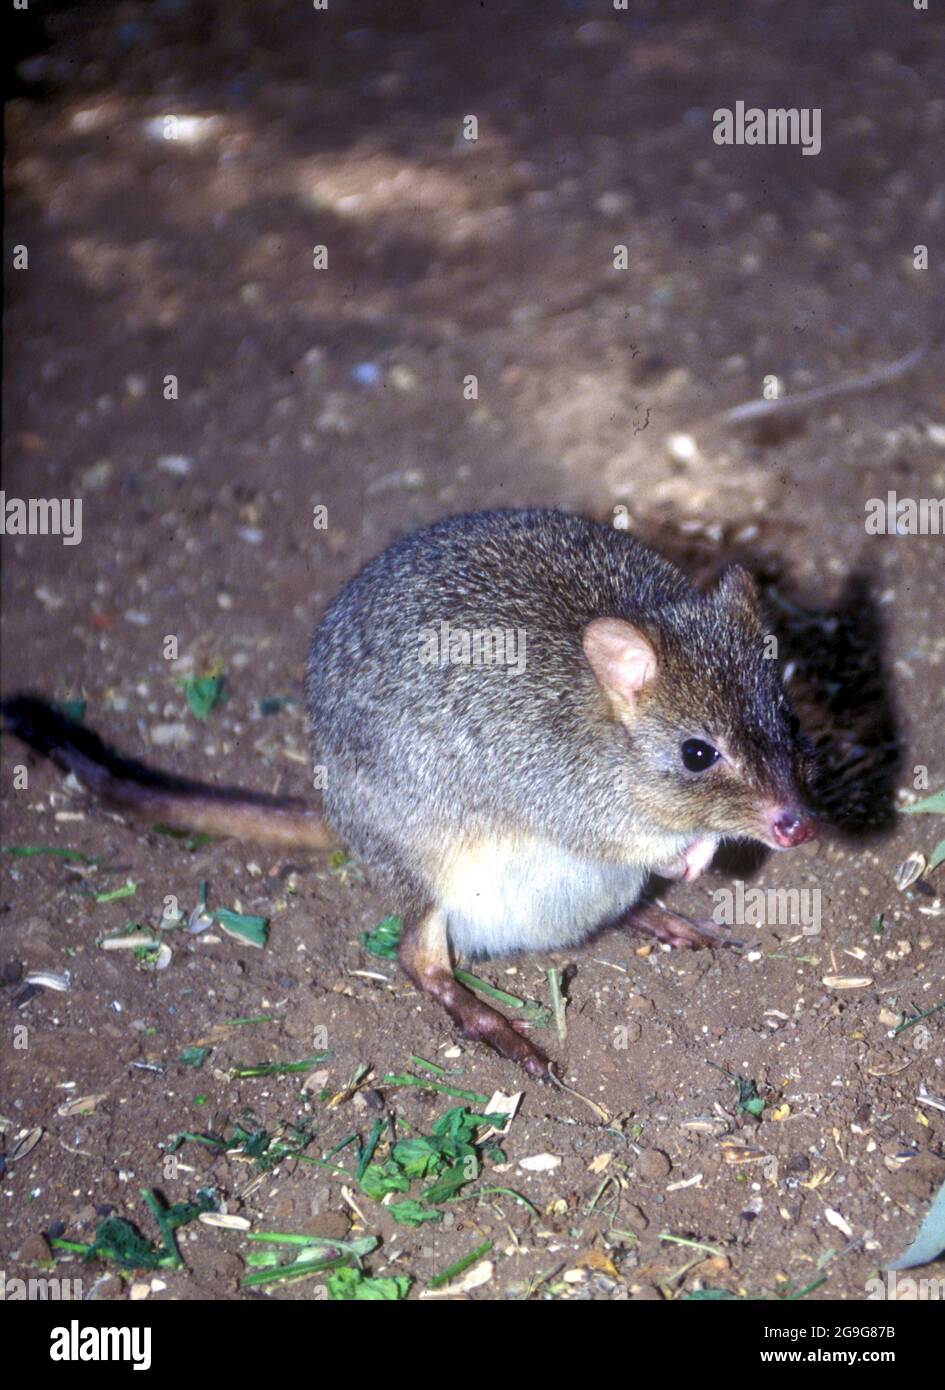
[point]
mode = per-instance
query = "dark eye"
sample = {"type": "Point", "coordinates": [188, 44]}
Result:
{"type": "Point", "coordinates": [698, 755]}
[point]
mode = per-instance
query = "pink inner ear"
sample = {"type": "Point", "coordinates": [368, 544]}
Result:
{"type": "Point", "coordinates": [622, 659]}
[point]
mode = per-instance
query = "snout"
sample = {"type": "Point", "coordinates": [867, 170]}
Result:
{"type": "Point", "coordinates": [790, 826]}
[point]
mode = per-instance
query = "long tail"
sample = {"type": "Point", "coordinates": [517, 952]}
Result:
{"type": "Point", "coordinates": [158, 797]}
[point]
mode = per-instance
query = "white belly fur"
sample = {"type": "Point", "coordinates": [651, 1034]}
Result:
{"type": "Point", "coordinates": [525, 894]}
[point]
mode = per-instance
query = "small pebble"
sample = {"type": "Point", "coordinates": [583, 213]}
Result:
{"type": "Point", "coordinates": [653, 1164]}
{"type": "Point", "coordinates": [682, 447]}
{"type": "Point", "coordinates": [403, 378]}
{"type": "Point", "coordinates": [174, 463]}
{"type": "Point", "coordinates": [96, 477]}
{"type": "Point", "coordinates": [636, 1218]}
{"type": "Point", "coordinates": [167, 735]}
{"type": "Point", "coordinates": [366, 374]}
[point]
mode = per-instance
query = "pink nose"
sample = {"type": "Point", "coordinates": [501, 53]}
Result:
{"type": "Point", "coordinates": [791, 828]}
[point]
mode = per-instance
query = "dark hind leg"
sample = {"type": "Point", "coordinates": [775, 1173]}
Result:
{"type": "Point", "coordinates": [651, 919]}
{"type": "Point", "coordinates": [425, 956]}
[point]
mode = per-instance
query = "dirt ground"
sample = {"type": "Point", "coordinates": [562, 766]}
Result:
{"type": "Point", "coordinates": [192, 258]}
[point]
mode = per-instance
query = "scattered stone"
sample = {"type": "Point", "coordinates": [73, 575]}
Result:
{"type": "Point", "coordinates": [682, 448]}
{"type": "Point", "coordinates": [653, 1164]}
{"type": "Point", "coordinates": [635, 1217]}
{"type": "Point", "coordinates": [171, 735]}
{"type": "Point", "coordinates": [366, 374]}
{"type": "Point", "coordinates": [540, 1163]}
{"type": "Point", "coordinates": [177, 464]}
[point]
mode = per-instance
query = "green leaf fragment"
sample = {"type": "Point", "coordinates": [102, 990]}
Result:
{"type": "Point", "coordinates": [412, 1213]}
{"type": "Point", "coordinates": [281, 1068]}
{"type": "Point", "coordinates": [384, 940]}
{"type": "Point", "coordinates": [254, 931]}
{"type": "Point", "coordinates": [350, 1284]}
{"type": "Point", "coordinates": [118, 1242]}
{"type": "Point", "coordinates": [192, 842]}
{"type": "Point", "coordinates": [127, 890]}
{"type": "Point", "coordinates": [203, 692]}
{"type": "Point", "coordinates": [194, 1056]}
{"type": "Point", "coordinates": [933, 805]}
{"type": "Point", "coordinates": [461, 1265]}
{"type": "Point", "coordinates": [449, 1182]}
{"type": "Point", "coordinates": [25, 851]}
{"type": "Point", "coordinates": [379, 1179]}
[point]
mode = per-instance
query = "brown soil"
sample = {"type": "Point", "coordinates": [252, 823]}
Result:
{"type": "Point", "coordinates": [150, 258]}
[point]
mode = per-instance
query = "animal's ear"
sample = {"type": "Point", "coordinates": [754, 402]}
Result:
{"type": "Point", "coordinates": [738, 590]}
{"type": "Point", "coordinates": [622, 659]}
